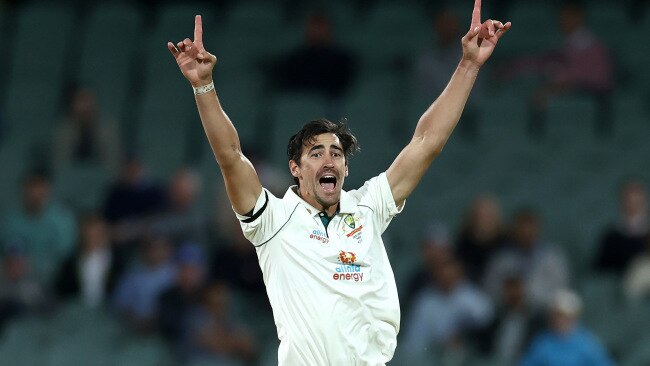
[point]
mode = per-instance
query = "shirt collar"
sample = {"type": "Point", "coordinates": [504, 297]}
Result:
{"type": "Point", "coordinates": [346, 205]}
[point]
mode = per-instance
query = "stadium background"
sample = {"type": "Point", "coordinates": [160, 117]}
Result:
{"type": "Point", "coordinates": [571, 175]}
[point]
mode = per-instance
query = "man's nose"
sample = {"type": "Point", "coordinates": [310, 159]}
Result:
{"type": "Point", "coordinates": [329, 162]}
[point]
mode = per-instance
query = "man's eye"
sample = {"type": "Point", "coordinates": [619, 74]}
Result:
{"type": "Point", "coordinates": [316, 155]}
{"type": "Point", "coordinates": [337, 155]}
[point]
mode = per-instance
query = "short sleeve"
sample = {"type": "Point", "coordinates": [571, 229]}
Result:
{"type": "Point", "coordinates": [267, 218]}
{"type": "Point", "coordinates": [379, 197]}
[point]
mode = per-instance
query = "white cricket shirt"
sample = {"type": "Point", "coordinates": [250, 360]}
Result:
{"type": "Point", "coordinates": [332, 289]}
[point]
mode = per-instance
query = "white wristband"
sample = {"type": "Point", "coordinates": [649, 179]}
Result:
{"type": "Point", "coordinates": [203, 89]}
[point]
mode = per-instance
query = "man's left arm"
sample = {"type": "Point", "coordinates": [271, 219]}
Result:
{"type": "Point", "coordinates": [437, 123]}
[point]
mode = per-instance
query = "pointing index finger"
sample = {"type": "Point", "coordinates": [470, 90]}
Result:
{"type": "Point", "coordinates": [198, 30]}
{"type": "Point", "coordinates": [476, 13]}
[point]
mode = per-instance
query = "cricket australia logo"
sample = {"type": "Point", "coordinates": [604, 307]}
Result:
{"type": "Point", "coordinates": [349, 220]}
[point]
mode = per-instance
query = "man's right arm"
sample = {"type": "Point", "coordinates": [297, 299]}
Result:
{"type": "Point", "coordinates": [196, 64]}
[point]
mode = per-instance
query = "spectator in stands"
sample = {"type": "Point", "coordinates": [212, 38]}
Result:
{"type": "Point", "coordinates": [181, 220]}
{"type": "Point", "coordinates": [481, 236]}
{"type": "Point", "coordinates": [443, 314]}
{"type": "Point", "coordinates": [133, 197]}
{"type": "Point", "coordinates": [566, 342]}
{"type": "Point", "coordinates": [637, 278]}
{"type": "Point", "coordinates": [434, 251]}
{"type": "Point", "coordinates": [583, 65]}
{"type": "Point", "coordinates": [91, 272]}
{"type": "Point", "coordinates": [236, 264]}
{"type": "Point", "coordinates": [319, 64]}
{"type": "Point", "coordinates": [84, 136]}
{"type": "Point", "coordinates": [179, 303]}
{"type": "Point", "coordinates": [45, 227]}
{"type": "Point", "coordinates": [625, 240]}
{"type": "Point", "coordinates": [215, 334]}
{"type": "Point", "coordinates": [543, 267]}
{"type": "Point", "coordinates": [513, 326]}
{"type": "Point", "coordinates": [20, 292]}
{"type": "Point", "coordinates": [431, 69]}
{"type": "Point", "coordinates": [138, 290]}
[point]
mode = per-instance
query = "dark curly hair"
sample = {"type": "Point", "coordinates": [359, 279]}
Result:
{"type": "Point", "coordinates": [314, 128]}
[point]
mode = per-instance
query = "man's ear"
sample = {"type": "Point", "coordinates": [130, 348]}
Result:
{"type": "Point", "coordinates": [294, 169]}
{"type": "Point", "coordinates": [346, 169]}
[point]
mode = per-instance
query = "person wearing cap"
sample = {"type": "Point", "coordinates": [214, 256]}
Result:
{"type": "Point", "coordinates": [566, 342]}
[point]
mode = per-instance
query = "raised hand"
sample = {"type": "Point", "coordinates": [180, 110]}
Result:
{"type": "Point", "coordinates": [479, 42]}
{"type": "Point", "coordinates": [195, 62]}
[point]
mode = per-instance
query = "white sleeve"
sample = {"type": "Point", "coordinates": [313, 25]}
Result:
{"type": "Point", "coordinates": [267, 218]}
{"type": "Point", "coordinates": [379, 197]}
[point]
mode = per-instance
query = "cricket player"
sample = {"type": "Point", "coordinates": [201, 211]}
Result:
{"type": "Point", "coordinates": [325, 267]}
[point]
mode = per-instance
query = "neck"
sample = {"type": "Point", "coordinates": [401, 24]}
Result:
{"type": "Point", "coordinates": [316, 203]}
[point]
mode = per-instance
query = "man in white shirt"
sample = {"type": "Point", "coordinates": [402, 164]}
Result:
{"type": "Point", "coordinates": [325, 267]}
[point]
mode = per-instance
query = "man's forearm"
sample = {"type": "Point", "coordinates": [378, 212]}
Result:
{"type": "Point", "coordinates": [439, 120]}
{"type": "Point", "coordinates": [220, 131]}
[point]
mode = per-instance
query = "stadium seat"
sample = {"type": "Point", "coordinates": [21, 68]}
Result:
{"type": "Point", "coordinates": [82, 187]}
{"type": "Point", "coordinates": [381, 47]}
{"type": "Point", "coordinates": [570, 121]}
{"type": "Point", "coordinates": [41, 29]}
{"type": "Point", "coordinates": [604, 16]}
{"type": "Point", "coordinates": [249, 36]}
{"type": "Point", "coordinates": [502, 121]}
{"type": "Point", "coordinates": [371, 113]}
{"type": "Point", "coordinates": [20, 341]}
{"type": "Point", "coordinates": [244, 103]}
{"type": "Point", "coordinates": [14, 158]}
{"type": "Point", "coordinates": [100, 66]}
{"type": "Point", "coordinates": [639, 352]}
{"type": "Point", "coordinates": [163, 127]}
{"type": "Point", "coordinates": [529, 18]}
{"type": "Point", "coordinates": [630, 123]}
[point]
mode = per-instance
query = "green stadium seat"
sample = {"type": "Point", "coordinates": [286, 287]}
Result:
{"type": "Point", "coordinates": [372, 115]}
{"type": "Point", "coordinates": [639, 354]}
{"type": "Point", "coordinates": [630, 125]}
{"type": "Point", "coordinates": [24, 120]}
{"type": "Point", "coordinates": [381, 47]}
{"type": "Point", "coordinates": [243, 101]}
{"type": "Point", "coordinates": [530, 18]}
{"type": "Point", "coordinates": [20, 341]}
{"type": "Point", "coordinates": [15, 160]}
{"type": "Point", "coordinates": [41, 29]}
{"type": "Point", "coordinates": [100, 66]}
{"type": "Point", "coordinates": [82, 187]}
{"type": "Point", "coordinates": [163, 136]}
{"type": "Point", "coordinates": [502, 122]}
{"type": "Point", "coordinates": [250, 34]}
{"type": "Point", "coordinates": [570, 121]}
{"type": "Point", "coordinates": [142, 352]}
{"type": "Point", "coordinates": [605, 16]}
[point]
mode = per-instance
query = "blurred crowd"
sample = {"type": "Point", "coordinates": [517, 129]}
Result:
{"type": "Point", "coordinates": [153, 256]}
{"type": "Point", "coordinates": [503, 290]}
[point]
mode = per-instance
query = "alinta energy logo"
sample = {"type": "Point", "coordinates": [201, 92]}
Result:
{"type": "Point", "coordinates": [348, 270]}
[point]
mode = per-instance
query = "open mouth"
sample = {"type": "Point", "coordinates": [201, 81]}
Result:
{"type": "Point", "coordinates": [328, 183]}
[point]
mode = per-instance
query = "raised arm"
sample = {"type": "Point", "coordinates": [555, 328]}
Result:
{"type": "Point", "coordinates": [196, 64]}
{"type": "Point", "coordinates": [438, 121]}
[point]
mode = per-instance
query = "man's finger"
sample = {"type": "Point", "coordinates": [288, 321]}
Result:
{"type": "Point", "coordinates": [172, 49]}
{"type": "Point", "coordinates": [180, 46]}
{"type": "Point", "coordinates": [503, 31]}
{"type": "Point", "coordinates": [476, 13]}
{"type": "Point", "coordinates": [198, 30]}
{"type": "Point", "coordinates": [489, 24]}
